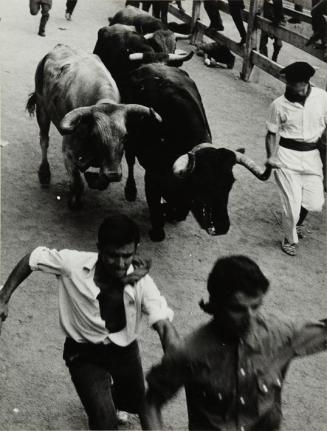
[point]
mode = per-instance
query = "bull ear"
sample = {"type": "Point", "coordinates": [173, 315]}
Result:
{"type": "Point", "coordinates": [241, 150]}
{"type": "Point", "coordinates": [71, 120]}
{"type": "Point", "coordinates": [184, 165]}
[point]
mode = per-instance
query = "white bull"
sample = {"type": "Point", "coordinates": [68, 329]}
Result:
{"type": "Point", "coordinates": [75, 92]}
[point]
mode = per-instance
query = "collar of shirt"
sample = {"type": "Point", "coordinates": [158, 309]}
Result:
{"type": "Point", "coordinates": [89, 268]}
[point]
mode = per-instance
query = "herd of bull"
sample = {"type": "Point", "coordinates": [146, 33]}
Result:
{"type": "Point", "coordinates": [130, 97]}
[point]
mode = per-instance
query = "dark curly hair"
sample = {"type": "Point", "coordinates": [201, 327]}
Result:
{"type": "Point", "coordinates": [118, 230]}
{"type": "Point", "coordinates": [230, 275]}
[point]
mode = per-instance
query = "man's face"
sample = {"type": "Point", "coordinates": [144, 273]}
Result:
{"type": "Point", "coordinates": [297, 88]}
{"type": "Point", "coordinates": [236, 316]}
{"type": "Point", "coordinates": [115, 261]}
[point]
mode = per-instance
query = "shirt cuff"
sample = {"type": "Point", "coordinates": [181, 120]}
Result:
{"type": "Point", "coordinates": [271, 127]}
{"type": "Point", "coordinates": [34, 258]}
{"type": "Point", "coordinates": [161, 314]}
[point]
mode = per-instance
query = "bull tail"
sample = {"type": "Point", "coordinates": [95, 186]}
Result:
{"type": "Point", "coordinates": [31, 104]}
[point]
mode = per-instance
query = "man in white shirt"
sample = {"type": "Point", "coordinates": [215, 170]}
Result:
{"type": "Point", "coordinates": [102, 297]}
{"type": "Point", "coordinates": [300, 119]}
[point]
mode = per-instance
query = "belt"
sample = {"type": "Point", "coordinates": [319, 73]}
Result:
{"type": "Point", "coordinates": [292, 144]}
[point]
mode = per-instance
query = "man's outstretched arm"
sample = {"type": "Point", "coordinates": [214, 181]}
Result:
{"type": "Point", "coordinates": [167, 333]}
{"type": "Point", "coordinates": [21, 271]}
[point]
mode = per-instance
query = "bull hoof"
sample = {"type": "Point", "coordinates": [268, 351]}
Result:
{"type": "Point", "coordinates": [157, 235]}
{"type": "Point", "coordinates": [130, 193]}
{"type": "Point", "coordinates": [75, 203]}
{"type": "Point", "coordinates": [44, 175]}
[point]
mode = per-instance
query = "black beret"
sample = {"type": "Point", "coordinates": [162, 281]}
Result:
{"type": "Point", "coordinates": [300, 71]}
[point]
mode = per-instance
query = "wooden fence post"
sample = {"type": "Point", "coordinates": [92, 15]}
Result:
{"type": "Point", "coordinates": [196, 34]}
{"type": "Point", "coordinates": [251, 39]}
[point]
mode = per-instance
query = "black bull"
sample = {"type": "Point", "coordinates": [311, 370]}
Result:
{"type": "Point", "coordinates": [181, 164]}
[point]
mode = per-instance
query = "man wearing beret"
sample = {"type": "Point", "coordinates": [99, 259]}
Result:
{"type": "Point", "coordinates": [299, 117]}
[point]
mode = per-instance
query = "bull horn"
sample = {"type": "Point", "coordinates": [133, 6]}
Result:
{"type": "Point", "coordinates": [148, 36]}
{"type": "Point", "coordinates": [184, 165]}
{"type": "Point", "coordinates": [72, 119]}
{"type": "Point", "coordinates": [133, 108]}
{"type": "Point", "coordinates": [180, 57]}
{"type": "Point", "coordinates": [136, 56]}
{"type": "Point", "coordinates": [180, 36]}
{"type": "Point", "coordinates": [261, 174]}
{"type": "Point", "coordinates": [201, 146]}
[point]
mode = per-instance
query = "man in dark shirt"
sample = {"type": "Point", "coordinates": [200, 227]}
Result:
{"type": "Point", "coordinates": [233, 367]}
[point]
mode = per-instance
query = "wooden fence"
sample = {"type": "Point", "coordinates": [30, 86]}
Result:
{"type": "Point", "coordinates": [255, 22]}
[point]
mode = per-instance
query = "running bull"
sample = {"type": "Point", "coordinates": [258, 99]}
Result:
{"type": "Point", "coordinates": [75, 92]}
{"type": "Point", "coordinates": [181, 164]}
{"type": "Point", "coordinates": [123, 50]}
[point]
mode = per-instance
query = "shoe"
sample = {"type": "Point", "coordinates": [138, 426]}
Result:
{"type": "Point", "coordinates": [303, 230]}
{"type": "Point", "coordinates": [41, 33]}
{"type": "Point", "coordinates": [288, 248]}
{"type": "Point", "coordinates": [68, 16]}
{"type": "Point", "coordinates": [122, 417]}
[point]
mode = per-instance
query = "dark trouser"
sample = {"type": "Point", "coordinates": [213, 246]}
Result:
{"type": "Point", "coordinates": [235, 8]}
{"type": "Point", "coordinates": [36, 5]}
{"type": "Point", "coordinates": [211, 7]}
{"type": "Point", "coordinates": [70, 6]}
{"type": "Point", "coordinates": [106, 378]}
{"type": "Point", "coordinates": [319, 25]}
{"type": "Point", "coordinates": [263, 45]}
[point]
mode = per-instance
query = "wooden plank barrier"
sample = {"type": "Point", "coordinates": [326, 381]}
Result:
{"type": "Point", "coordinates": [250, 51]}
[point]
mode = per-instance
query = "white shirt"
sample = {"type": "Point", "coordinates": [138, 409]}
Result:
{"type": "Point", "coordinates": [292, 120]}
{"type": "Point", "coordinates": [79, 311]}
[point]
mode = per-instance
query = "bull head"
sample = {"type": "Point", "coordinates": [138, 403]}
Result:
{"type": "Point", "coordinates": [100, 132]}
{"type": "Point", "coordinates": [208, 172]}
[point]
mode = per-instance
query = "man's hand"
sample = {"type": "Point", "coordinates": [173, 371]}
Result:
{"type": "Point", "coordinates": [273, 162]}
{"type": "Point", "coordinates": [141, 268]}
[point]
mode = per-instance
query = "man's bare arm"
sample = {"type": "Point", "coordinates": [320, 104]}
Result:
{"type": "Point", "coordinates": [167, 333]}
{"type": "Point", "coordinates": [21, 271]}
{"type": "Point", "coordinates": [272, 148]}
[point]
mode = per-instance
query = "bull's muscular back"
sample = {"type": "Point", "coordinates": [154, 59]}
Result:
{"type": "Point", "coordinates": [68, 78]}
{"type": "Point", "coordinates": [173, 94]}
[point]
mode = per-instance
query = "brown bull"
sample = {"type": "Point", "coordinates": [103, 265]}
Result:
{"type": "Point", "coordinates": [75, 92]}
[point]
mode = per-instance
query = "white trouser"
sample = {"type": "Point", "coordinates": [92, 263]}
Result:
{"type": "Point", "coordinates": [301, 185]}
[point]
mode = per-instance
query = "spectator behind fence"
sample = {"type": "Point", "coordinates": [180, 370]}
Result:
{"type": "Point", "coordinates": [235, 8]}
{"type": "Point", "coordinates": [45, 6]}
{"type": "Point", "coordinates": [272, 10]}
{"type": "Point", "coordinates": [233, 367]}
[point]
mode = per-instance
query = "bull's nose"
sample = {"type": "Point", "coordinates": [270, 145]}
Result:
{"type": "Point", "coordinates": [114, 177]}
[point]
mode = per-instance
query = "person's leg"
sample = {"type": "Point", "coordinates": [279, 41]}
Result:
{"type": "Point", "coordinates": [290, 190]}
{"type": "Point", "coordinates": [93, 385]}
{"type": "Point", "coordinates": [92, 382]}
{"type": "Point", "coordinates": [313, 193]}
{"type": "Point", "coordinates": [263, 48]}
{"type": "Point", "coordinates": [45, 8]}
{"type": "Point", "coordinates": [132, 3]}
{"type": "Point", "coordinates": [277, 47]}
{"type": "Point", "coordinates": [235, 8]}
{"type": "Point", "coordinates": [211, 7]}
{"type": "Point", "coordinates": [128, 388]}
{"type": "Point", "coordinates": [70, 6]}
{"type": "Point", "coordinates": [35, 6]}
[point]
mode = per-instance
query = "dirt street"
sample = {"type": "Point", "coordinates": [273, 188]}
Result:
{"type": "Point", "coordinates": [35, 387]}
